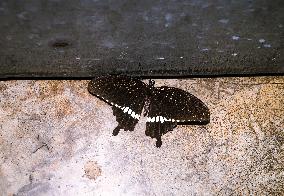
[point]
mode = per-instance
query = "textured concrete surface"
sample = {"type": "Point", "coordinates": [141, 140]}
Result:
{"type": "Point", "coordinates": [56, 139]}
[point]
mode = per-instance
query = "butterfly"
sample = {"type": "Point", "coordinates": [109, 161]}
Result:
{"type": "Point", "coordinates": [165, 107]}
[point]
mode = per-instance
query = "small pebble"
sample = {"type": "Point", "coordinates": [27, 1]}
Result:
{"type": "Point", "coordinates": [261, 40]}
{"type": "Point", "coordinates": [235, 37]}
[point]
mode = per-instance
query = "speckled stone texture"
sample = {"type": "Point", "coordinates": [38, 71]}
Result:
{"type": "Point", "coordinates": [56, 139]}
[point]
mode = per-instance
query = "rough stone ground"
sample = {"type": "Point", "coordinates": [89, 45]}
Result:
{"type": "Point", "coordinates": [56, 139]}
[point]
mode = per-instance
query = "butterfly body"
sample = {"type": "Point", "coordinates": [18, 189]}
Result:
{"type": "Point", "coordinates": [165, 107]}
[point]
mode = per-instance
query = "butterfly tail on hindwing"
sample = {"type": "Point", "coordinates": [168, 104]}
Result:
{"type": "Point", "coordinates": [156, 130]}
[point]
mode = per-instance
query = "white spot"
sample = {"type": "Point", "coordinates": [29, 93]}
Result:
{"type": "Point", "coordinates": [161, 58]}
{"type": "Point", "coordinates": [22, 15]}
{"type": "Point", "coordinates": [78, 58]}
{"type": "Point", "coordinates": [10, 37]}
{"type": "Point", "coordinates": [205, 49]}
{"type": "Point", "coordinates": [162, 119]}
{"type": "Point", "coordinates": [146, 18]}
{"type": "Point", "coordinates": [157, 118]}
{"type": "Point", "coordinates": [181, 57]}
{"type": "Point", "coordinates": [133, 115]}
{"type": "Point", "coordinates": [178, 120]}
{"type": "Point", "coordinates": [261, 40]}
{"type": "Point", "coordinates": [234, 54]}
{"type": "Point", "coordinates": [125, 109]}
{"type": "Point", "coordinates": [129, 111]}
{"type": "Point", "coordinates": [173, 120]}
{"type": "Point", "coordinates": [267, 45]}
{"type": "Point", "coordinates": [234, 37]}
{"type": "Point", "coordinates": [168, 17]}
{"type": "Point", "coordinates": [224, 21]}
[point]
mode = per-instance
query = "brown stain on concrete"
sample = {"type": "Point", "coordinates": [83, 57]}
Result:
{"type": "Point", "coordinates": [270, 102]}
{"type": "Point", "coordinates": [63, 107]}
{"type": "Point", "coordinates": [263, 101]}
{"type": "Point", "coordinates": [248, 122]}
{"type": "Point", "coordinates": [92, 170]}
{"type": "Point", "coordinates": [3, 87]}
{"type": "Point", "coordinates": [50, 88]}
{"type": "Point", "coordinates": [79, 87]}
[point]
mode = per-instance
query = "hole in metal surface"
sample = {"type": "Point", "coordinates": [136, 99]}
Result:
{"type": "Point", "coordinates": [60, 43]}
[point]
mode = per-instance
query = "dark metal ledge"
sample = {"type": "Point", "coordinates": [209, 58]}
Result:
{"type": "Point", "coordinates": [61, 38]}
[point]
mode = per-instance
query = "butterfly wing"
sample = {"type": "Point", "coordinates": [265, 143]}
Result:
{"type": "Point", "coordinates": [126, 96]}
{"type": "Point", "coordinates": [170, 107]}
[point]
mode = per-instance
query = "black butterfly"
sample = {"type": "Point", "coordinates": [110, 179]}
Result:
{"type": "Point", "coordinates": [165, 107]}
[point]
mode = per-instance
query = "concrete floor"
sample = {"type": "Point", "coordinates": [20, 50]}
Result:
{"type": "Point", "coordinates": [56, 139]}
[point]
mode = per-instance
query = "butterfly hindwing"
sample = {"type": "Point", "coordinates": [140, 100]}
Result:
{"type": "Point", "coordinates": [172, 106]}
{"type": "Point", "coordinates": [126, 95]}
{"type": "Point", "coordinates": [157, 129]}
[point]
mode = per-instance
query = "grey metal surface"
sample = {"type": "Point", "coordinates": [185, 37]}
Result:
{"type": "Point", "coordinates": [61, 38]}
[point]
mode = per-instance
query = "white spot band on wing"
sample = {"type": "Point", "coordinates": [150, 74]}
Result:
{"type": "Point", "coordinates": [127, 110]}
{"type": "Point", "coordinates": [159, 119]}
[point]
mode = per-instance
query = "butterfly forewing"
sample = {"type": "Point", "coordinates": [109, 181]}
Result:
{"type": "Point", "coordinates": [181, 106]}
{"type": "Point", "coordinates": [126, 95]}
{"type": "Point", "coordinates": [120, 90]}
